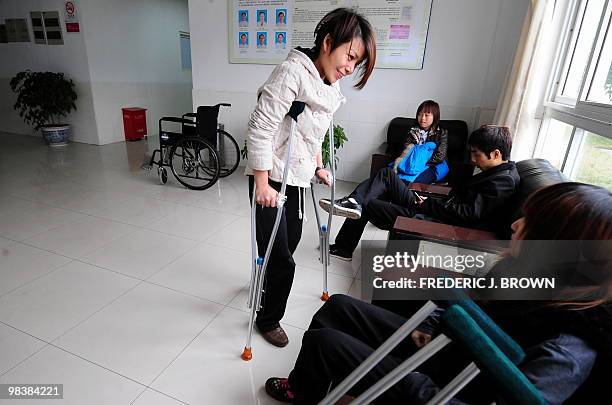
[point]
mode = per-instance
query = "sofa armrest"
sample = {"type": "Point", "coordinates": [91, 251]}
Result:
{"type": "Point", "coordinates": [430, 189]}
{"type": "Point", "coordinates": [380, 159]}
{"type": "Point", "coordinates": [411, 228]}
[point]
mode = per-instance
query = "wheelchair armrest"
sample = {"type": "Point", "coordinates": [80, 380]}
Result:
{"type": "Point", "coordinates": [175, 119]}
{"type": "Point", "coordinates": [430, 189]}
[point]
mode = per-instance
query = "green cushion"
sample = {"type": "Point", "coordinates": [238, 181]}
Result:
{"type": "Point", "coordinates": [510, 382]}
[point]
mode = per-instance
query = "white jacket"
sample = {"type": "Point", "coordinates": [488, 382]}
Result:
{"type": "Point", "coordinates": [296, 79]}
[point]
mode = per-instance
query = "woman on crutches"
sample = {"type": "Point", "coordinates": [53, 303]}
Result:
{"type": "Point", "coordinates": [344, 41]}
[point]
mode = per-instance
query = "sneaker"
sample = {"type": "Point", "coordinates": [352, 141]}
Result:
{"type": "Point", "coordinates": [341, 254]}
{"type": "Point", "coordinates": [344, 207]}
{"type": "Point", "coordinates": [279, 389]}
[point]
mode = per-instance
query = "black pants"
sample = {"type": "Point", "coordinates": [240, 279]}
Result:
{"type": "Point", "coordinates": [383, 198]}
{"type": "Point", "coordinates": [343, 333]}
{"type": "Point", "coordinates": [281, 267]}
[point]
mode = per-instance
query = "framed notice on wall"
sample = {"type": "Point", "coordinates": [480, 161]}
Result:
{"type": "Point", "coordinates": [263, 31]}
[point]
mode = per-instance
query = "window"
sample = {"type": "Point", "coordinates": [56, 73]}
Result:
{"type": "Point", "coordinates": [185, 40]}
{"type": "Point", "coordinates": [594, 161]}
{"type": "Point", "coordinates": [583, 34]}
{"type": "Point", "coordinates": [576, 132]}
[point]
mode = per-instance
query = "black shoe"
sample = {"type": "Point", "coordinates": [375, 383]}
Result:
{"type": "Point", "coordinates": [341, 254]}
{"type": "Point", "coordinates": [344, 207]}
{"type": "Point", "coordinates": [278, 388]}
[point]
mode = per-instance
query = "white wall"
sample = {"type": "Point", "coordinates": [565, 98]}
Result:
{"type": "Point", "coordinates": [70, 58]}
{"type": "Point", "coordinates": [127, 54]}
{"type": "Point", "coordinates": [470, 48]}
{"type": "Point", "coordinates": [134, 55]}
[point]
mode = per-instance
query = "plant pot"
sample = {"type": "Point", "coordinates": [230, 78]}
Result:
{"type": "Point", "coordinates": [56, 135]}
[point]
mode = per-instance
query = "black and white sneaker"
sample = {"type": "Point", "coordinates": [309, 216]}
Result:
{"type": "Point", "coordinates": [341, 254]}
{"type": "Point", "coordinates": [344, 207]}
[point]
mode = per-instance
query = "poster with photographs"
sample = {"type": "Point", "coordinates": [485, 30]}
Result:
{"type": "Point", "coordinates": [262, 31]}
{"type": "Point", "coordinates": [259, 31]}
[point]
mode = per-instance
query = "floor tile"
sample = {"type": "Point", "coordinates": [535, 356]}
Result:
{"type": "Point", "coordinates": [142, 332]}
{"type": "Point", "coordinates": [84, 382]}
{"type": "Point", "coordinates": [139, 254]}
{"type": "Point", "coordinates": [16, 346]}
{"type": "Point", "coordinates": [20, 264]}
{"type": "Point", "coordinates": [210, 272]}
{"type": "Point", "coordinates": [210, 370]}
{"type": "Point", "coordinates": [49, 306]}
{"type": "Point", "coordinates": [79, 238]}
{"type": "Point", "coordinates": [192, 223]}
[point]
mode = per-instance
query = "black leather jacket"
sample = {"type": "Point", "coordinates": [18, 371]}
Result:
{"type": "Point", "coordinates": [484, 202]}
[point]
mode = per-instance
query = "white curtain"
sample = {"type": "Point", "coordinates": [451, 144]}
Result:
{"type": "Point", "coordinates": [521, 104]}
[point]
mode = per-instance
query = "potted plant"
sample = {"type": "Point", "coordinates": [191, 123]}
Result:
{"type": "Point", "coordinates": [43, 98]}
{"type": "Point", "coordinates": [339, 140]}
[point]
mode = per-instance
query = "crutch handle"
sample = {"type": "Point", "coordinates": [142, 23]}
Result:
{"type": "Point", "coordinates": [297, 107]}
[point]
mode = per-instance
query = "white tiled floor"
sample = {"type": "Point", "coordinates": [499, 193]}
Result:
{"type": "Point", "coordinates": [127, 291]}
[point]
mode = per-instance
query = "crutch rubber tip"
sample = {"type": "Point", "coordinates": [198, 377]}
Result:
{"type": "Point", "coordinates": [246, 354]}
{"type": "Point", "coordinates": [324, 296]}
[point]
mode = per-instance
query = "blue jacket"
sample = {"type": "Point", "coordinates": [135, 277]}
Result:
{"type": "Point", "coordinates": [415, 162]}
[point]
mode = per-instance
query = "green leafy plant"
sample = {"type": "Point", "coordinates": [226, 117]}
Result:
{"type": "Point", "coordinates": [43, 97]}
{"type": "Point", "coordinates": [339, 140]}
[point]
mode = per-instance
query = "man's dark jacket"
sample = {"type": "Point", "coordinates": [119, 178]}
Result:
{"type": "Point", "coordinates": [486, 202]}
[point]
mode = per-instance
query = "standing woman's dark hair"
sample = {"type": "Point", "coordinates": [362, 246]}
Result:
{"type": "Point", "coordinates": [342, 25]}
{"type": "Point", "coordinates": [430, 106]}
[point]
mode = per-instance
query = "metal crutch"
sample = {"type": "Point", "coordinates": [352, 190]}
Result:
{"type": "Point", "coordinates": [324, 230]}
{"type": "Point", "coordinates": [259, 264]}
{"type": "Point", "coordinates": [382, 351]}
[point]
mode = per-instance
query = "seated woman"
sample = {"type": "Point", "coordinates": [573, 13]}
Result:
{"type": "Point", "coordinates": [563, 339]}
{"type": "Point", "coordinates": [433, 169]}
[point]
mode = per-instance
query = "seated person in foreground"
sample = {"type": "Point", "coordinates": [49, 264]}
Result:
{"type": "Point", "coordinates": [567, 340]}
{"type": "Point", "coordinates": [483, 203]}
{"type": "Point", "coordinates": [428, 136]}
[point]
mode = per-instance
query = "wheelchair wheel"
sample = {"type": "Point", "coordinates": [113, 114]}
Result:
{"type": "Point", "coordinates": [162, 173]}
{"type": "Point", "coordinates": [228, 152]}
{"type": "Point", "coordinates": [194, 163]}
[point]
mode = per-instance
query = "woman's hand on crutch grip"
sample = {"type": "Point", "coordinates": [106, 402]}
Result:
{"type": "Point", "coordinates": [419, 338]}
{"type": "Point", "coordinates": [266, 196]}
{"type": "Point", "coordinates": [324, 176]}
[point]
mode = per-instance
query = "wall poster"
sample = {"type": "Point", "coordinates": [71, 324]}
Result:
{"type": "Point", "coordinates": [263, 31]}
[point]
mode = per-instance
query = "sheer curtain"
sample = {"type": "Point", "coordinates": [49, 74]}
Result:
{"type": "Point", "coordinates": [521, 104]}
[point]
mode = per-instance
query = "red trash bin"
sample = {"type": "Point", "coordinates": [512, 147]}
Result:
{"type": "Point", "coordinates": [134, 123]}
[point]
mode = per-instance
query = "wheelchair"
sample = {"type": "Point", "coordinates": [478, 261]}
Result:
{"type": "Point", "coordinates": [206, 126]}
{"type": "Point", "coordinates": [199, 154]}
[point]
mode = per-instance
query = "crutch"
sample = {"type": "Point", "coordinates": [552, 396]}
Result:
{"type": "Point", "coordinates": [501, 340]}
{"type": "Point", "coordinates": [259, 264]}
{"type": "Point", "coordinates": [325, 229]}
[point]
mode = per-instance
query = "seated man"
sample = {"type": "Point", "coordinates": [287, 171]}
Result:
{"type": "Point", "coordinates": [481, 203]}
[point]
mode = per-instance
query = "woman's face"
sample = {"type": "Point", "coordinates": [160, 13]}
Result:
{"type": "Point", "coordinates": [334, 65]}
{"type": "Point", "coordinates": [425, 119]}
{"type": "Point", "coordinates": [262, 17]}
